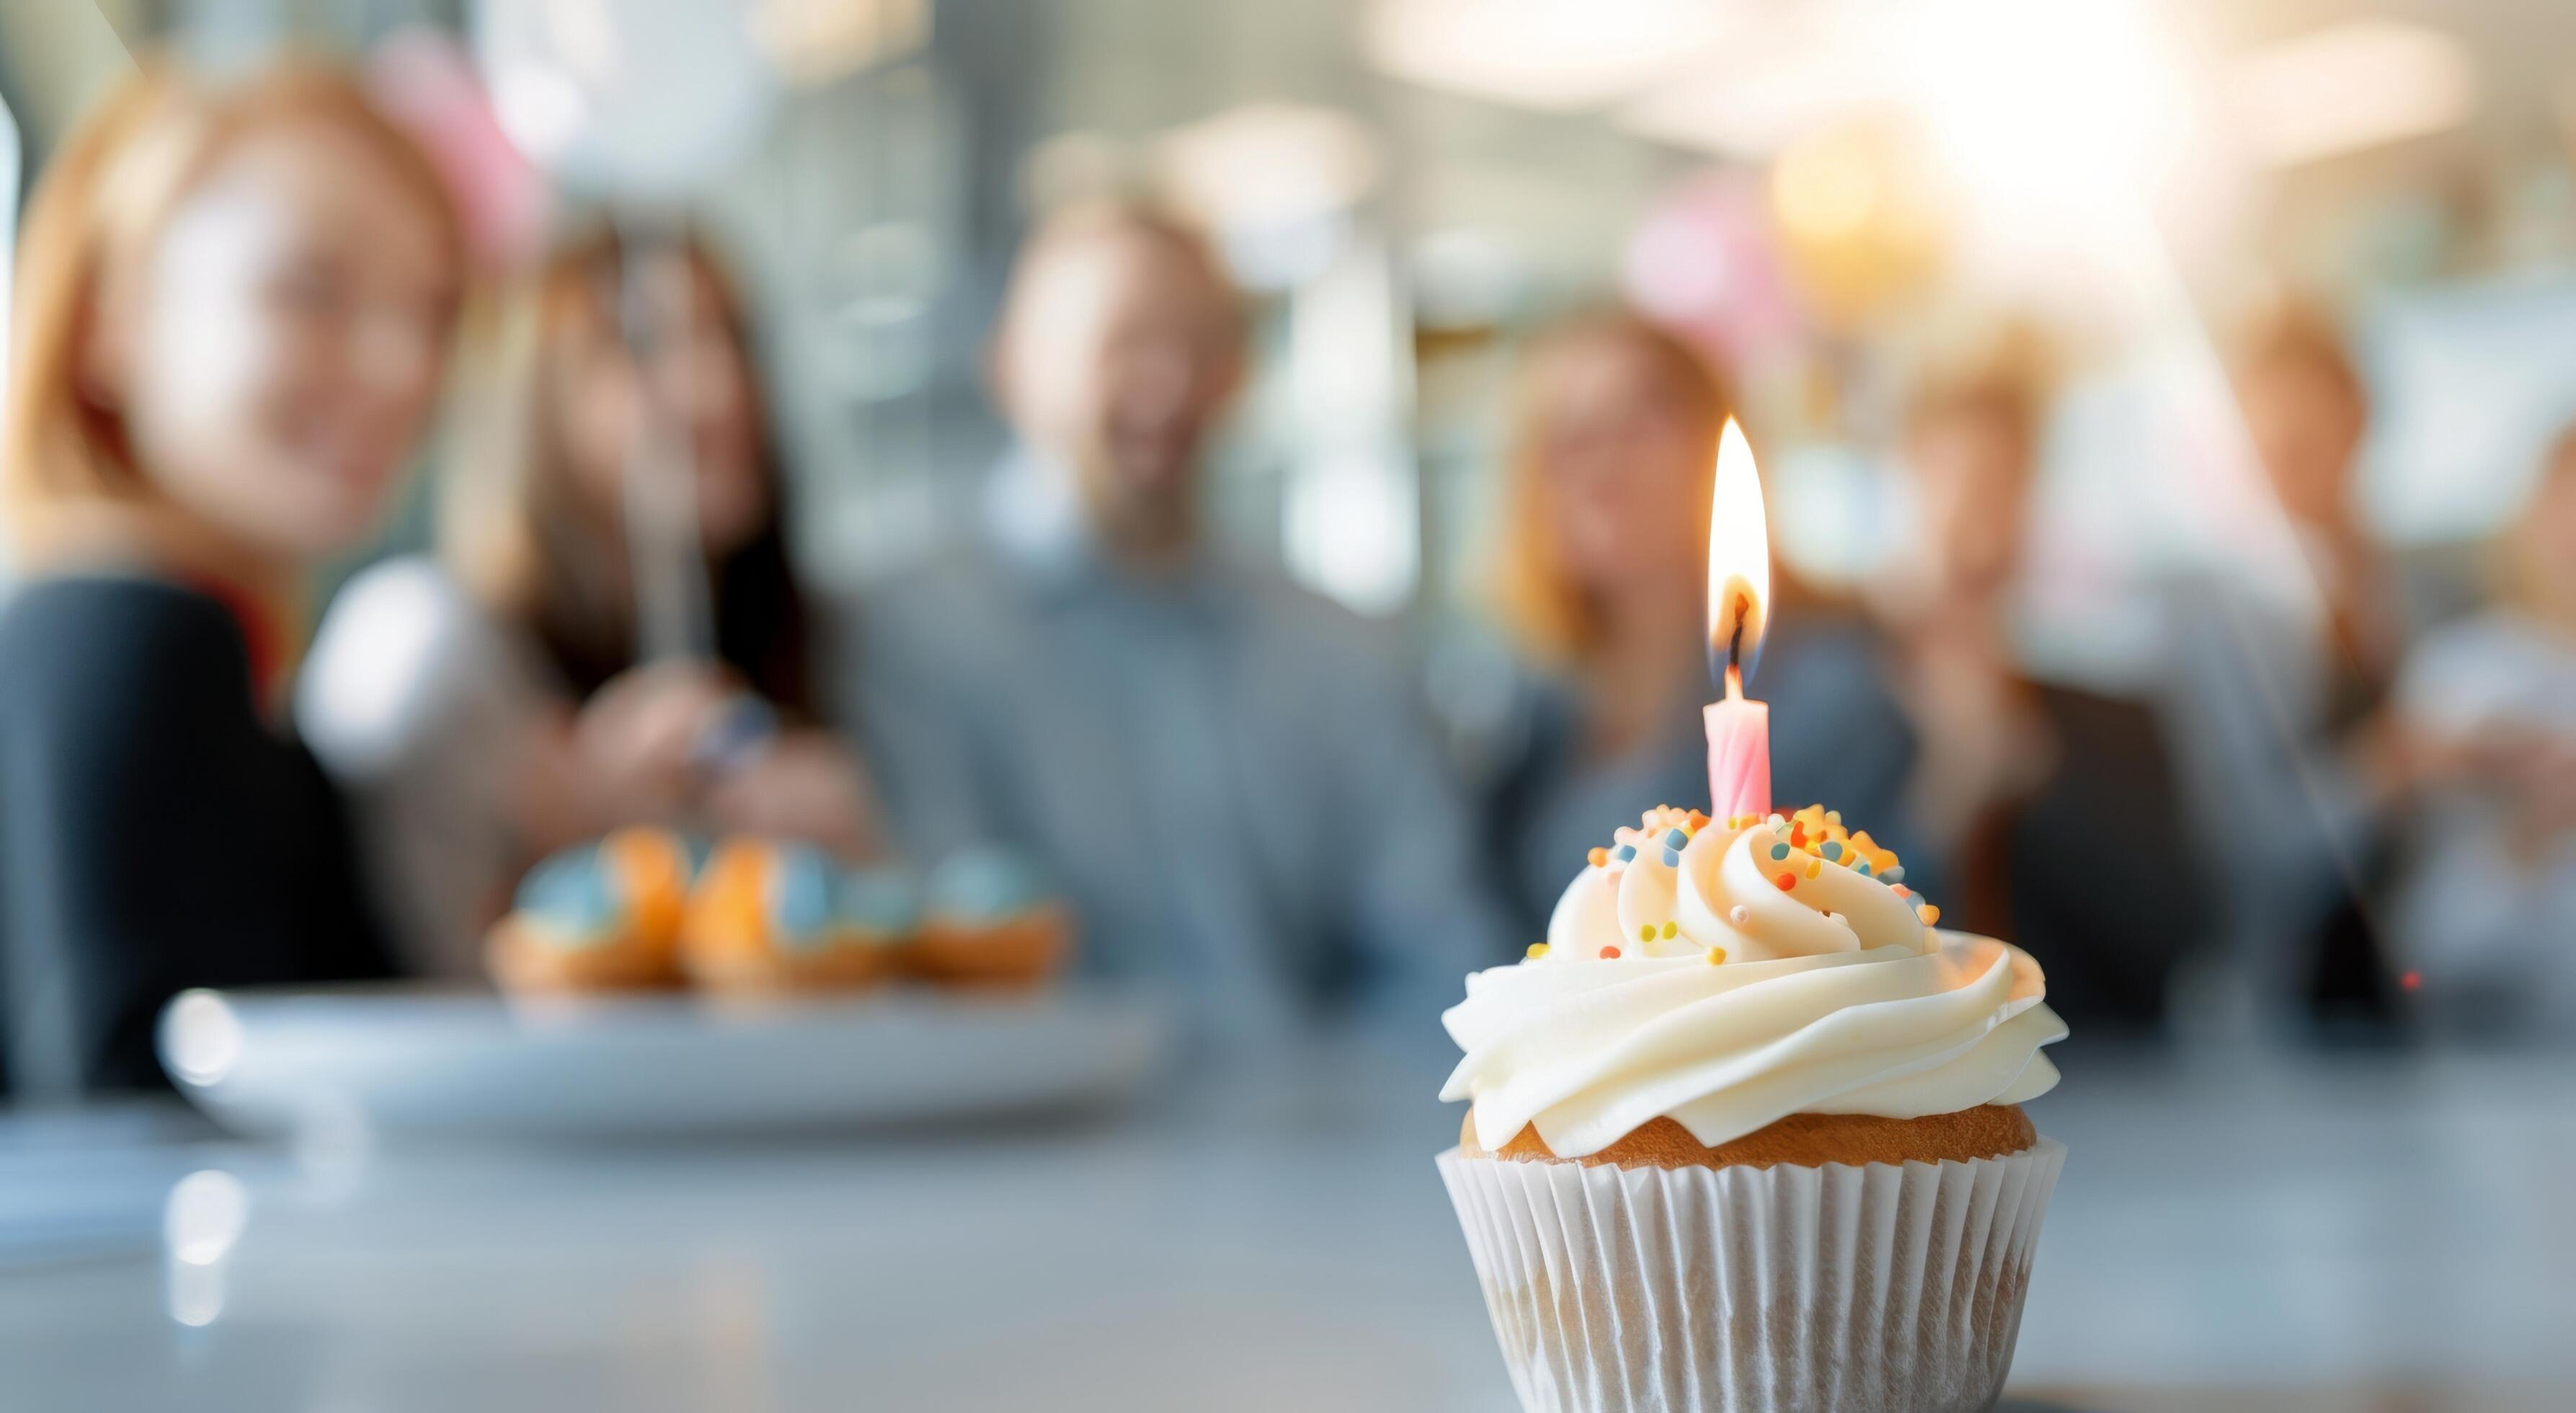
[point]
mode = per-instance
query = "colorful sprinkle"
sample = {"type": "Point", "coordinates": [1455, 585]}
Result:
{"type": "Point", "coordinates": [1599, 856]}
{"type": "Point", "coordinates": [1670, 928]}
{"type": "Point", "coordinates": [1609, 954]}
{"type": "Point", "coordinates": [1834, 850]}
{"type": "Point", "coordinates": [1624, 852]}
{"type": "Point", "coordinates": [1786, 881]}
{"type": "Point", "coordinates": [1797, 837]}
{"type": "Point", "coordinates": [1675, 838]}
{"type": "Point", "coordinates": [1931, 914]}
{"type": "Point", "coordinates": [1739, 915]}
{"type": "Point", "coordinates": [1893, 873]}
{"type": "Point", "coordinates": [1779, 851]}
{"type": "Point", "coordinates": [1645, 932]}
{"type": "Point", "coordinates": [1716, 955]}
{"type": "Point", "coordinates": [1536, 951]}
{"type": "Point", "coordinates": [1672, 858]}
{"type": "Point", "coordinates": [1862, 868]}
{"type": "Point", "coordinates": [1814, 867]}
{"type": "Point", "coordinates": [1901, 890]}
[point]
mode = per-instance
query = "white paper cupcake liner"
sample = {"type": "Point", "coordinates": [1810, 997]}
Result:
{"type": "Point", "coordinates": [1695, 1290]}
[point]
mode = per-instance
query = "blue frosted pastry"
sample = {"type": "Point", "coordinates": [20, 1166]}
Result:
{"type": "Point", "coordinates": [600, 917]}
{"type": "Point", "coordinates": [989, 919]}
{"type": "Point", "coordinates": [781, 917]}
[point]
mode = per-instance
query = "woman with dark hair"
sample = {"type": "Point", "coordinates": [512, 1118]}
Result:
{"type": "Point", "coordinates": [554, 674]}
{"type": "Point", "coordinates": [2052, 813]}
{"type": "Point", "coordinates": [2281, 700]}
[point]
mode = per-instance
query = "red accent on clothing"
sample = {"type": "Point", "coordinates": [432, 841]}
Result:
{"type": "Point", "coordinates": [263, 637]}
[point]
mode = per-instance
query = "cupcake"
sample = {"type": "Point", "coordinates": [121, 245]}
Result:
{"type": "Point", "coordinates": [601, 917]}
{"type": "Point", "coordinates": [1745, 1131]}
{"type": "Point", "coordinates": [989, 921]}
{"type": "Point", "coordinates": [777, 918]}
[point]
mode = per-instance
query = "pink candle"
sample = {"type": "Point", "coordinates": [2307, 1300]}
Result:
{"type": "Point", "coordinates": [1739, 584]}
{"type": "Point", "coordinates": [1739, 753]}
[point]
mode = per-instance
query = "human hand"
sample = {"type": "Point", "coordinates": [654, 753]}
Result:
{"type": "Point", "coordinates": [802, 786]}
{"type": "Point", "coordinates": [2543, 790]}
{"type": "Point", "coordinates": [636, 740]}
{"type": "Point", "coordinates": [1983, 738]}
{"type": "Point", "coordinates": [2491, 754]}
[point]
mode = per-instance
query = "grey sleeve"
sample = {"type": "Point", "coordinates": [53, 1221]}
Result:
{"type": "Point", "coordinates": [412, 703]}
{"type": "Point", "coordinates": [1423, 909]}
{"type": "Point", "coordinates": [907, 706]}
{"type": "Point", "coordinates": [2260, 775]}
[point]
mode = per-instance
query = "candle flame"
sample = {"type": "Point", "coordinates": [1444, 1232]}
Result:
{"type": "Point", "coordinates": [1739, 562]}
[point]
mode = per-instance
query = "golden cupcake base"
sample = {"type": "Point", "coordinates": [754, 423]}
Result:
{"type": "Point", "coordinates": [1799, 1140]}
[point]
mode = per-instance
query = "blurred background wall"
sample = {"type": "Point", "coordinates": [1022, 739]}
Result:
{"type": "Point", "coordinates": [1821, 190]}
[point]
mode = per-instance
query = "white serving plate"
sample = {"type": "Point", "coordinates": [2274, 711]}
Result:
{"type": "Point", "coordinates": [405, 1061]}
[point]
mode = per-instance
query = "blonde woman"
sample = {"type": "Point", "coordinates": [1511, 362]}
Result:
{"type": "Point", "coordinates": [1600, 581]}
{"type": "Point", "coordinates": [498, 702]}
{"type": "Point", "coordinates": [236, 301]}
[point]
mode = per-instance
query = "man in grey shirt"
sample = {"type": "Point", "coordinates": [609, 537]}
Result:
{"type": "Point", "coordinates": [1228, 776]}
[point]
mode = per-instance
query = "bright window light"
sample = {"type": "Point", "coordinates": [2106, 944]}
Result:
{"type": "Point", "coordinates": [2350, 86]}
{"type": "Point", "coordinates": [1549, 54]}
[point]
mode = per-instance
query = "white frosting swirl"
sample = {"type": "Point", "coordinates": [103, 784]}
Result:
{"type": "Point", "coordinates": [1827, 996]}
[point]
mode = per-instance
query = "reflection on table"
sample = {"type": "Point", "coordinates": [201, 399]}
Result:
{"type": "Point", "coordinates": [2235, 1230]}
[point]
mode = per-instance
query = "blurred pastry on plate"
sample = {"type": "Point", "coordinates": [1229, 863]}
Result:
{"type": "Point", "coordinates": [777, 918]}
{"type": "Point", "coordinates": [603, 916]}
{"type": "Point", "coordinates": [989, 920]}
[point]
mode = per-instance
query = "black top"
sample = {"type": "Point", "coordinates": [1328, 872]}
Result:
{"type": "Point", "coordinates": [155, 832]}
{"type": "Point", "coordinates": [2093, 873]}
{"type": "Point", "coordinates": [1838, 738]}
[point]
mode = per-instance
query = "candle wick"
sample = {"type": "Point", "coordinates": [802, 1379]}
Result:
{"type": "Point", "coordinates": [1740, 612]}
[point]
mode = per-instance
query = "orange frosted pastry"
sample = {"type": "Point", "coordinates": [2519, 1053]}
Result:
{"type": "Point", "coordinates": [772, 919]}
{"type": "Point", "coordinates": [601, 917]}
{"type": "Point", "coordinates": [989, 921]}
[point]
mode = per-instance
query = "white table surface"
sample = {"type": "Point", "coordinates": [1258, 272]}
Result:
{"type": "Point", "coordinates": [2232, 1231]}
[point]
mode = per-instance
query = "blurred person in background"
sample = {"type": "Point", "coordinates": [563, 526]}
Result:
{"type": "Point", "coordinates": [2053, 814]}
{"type": "Point", "coordinates": [1601, 580]}
{"type": "Point", "coordinates": [2487, 907]}
{"type": "Point", "coordinates": [493, 704]}
{"type": "Point", "coordinates": [2297, 774]}
{"type": "Point", "coordinates": [1229, 776]}
{"type": "Point", "coordinates": [237, 299]}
